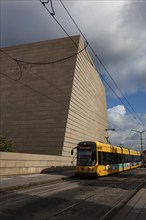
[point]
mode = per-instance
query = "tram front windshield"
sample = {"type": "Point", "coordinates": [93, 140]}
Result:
{"type": "Point", "coordinates": [84, 157]}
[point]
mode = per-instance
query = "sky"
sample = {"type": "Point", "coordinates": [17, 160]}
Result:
{"type": "Point", "coordinates": [116, 30]}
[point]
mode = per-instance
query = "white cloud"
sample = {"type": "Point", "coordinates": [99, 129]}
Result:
{"type": "Point", "coordinates": [119, 110]}
{"type": "Point", "coordinates": [123, 124]}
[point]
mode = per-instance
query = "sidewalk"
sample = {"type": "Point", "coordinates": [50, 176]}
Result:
{"type": "Point", "coordinates": [135, 208]}
{"type": "Point", "coordinates": [17, 182]}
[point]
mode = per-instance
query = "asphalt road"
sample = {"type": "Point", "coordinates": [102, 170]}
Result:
{"type": "Point", "coordinates": [72, 199]}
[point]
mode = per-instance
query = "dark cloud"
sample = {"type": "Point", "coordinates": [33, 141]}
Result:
{"type": "Point", "coordinates": [115, 29]}
{"type": "Point", "coordinates": [26, 22]}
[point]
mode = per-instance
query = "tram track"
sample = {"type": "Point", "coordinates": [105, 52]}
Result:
{"type": "Point", "coordinates": [76, 194]}
{"type": "Point", "coordinates": [117, 204]}
{"type": "Point", "coordinates": [6, 198]}
{"type": "Point", "coordinates": [43, 189]}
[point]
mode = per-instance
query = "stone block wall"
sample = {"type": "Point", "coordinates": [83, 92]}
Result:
{"type": "Point", "coordinates": [21, 164]}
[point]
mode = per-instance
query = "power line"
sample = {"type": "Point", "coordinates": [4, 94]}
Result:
{"type": "Point", "coordinates": [46, 63]}
{"type": "Point", "coordinates": [53, 16]}
{"type": "Point", "coordinates": [42, 63]}
{"type": "Point", "coordinates": [43, 3]}
{"type": "Point", "coordinates": [16, 63]}
{"type": "Point", "coordinates": [26, 62]}
{"type": "Point", "coordinates": [30, 62]}
{"type": "Point", "coordinates": [137, 117]}
{"type": "Point", "coordinates": [89, 46]}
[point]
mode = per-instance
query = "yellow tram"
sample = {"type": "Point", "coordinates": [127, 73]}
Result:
{"type": "Point", "coordinates": [100, 159]}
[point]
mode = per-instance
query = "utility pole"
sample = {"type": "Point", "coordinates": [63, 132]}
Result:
{"type": "Point", "coordinates": [140, 132]}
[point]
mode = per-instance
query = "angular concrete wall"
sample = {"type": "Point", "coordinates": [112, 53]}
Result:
{"type": "Point", "coordinates": [47, 109]}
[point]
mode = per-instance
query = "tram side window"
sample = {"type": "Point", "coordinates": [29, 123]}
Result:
{"type": "Point", "coordinates": [137, 158]}
{"type": "Point", "coordinates": [112, 158]}
{"type": "Point", "coordinates": [107, 158]}
{"type": "Point", "coordinates": [126, 158]}
{"type": "Point", "coordinates": [119, 158]}
{"type": "Point", "coordinates": [94, 158]}
{"type": "Point", "coordinates": [100, 158]}
{"type": "Point", "coordinates": [131, 158]}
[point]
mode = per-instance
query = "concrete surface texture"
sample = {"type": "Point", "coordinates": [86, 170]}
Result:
{"type": "Point", "coordinates": [23, 181]}
{"type": "Point", "coordinates": [135, 208]}
{"type": "Point", "coordinates": [49, 108]}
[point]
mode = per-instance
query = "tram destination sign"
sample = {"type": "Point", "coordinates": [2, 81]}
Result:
{"type": "Point", "coordinates": [84, 147]}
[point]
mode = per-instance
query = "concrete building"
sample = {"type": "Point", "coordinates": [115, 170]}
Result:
{"type": "Point", "coordinates": [53, 100]}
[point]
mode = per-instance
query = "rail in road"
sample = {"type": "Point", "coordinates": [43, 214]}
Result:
{"type": "Point", "coordinates": [74, 198]}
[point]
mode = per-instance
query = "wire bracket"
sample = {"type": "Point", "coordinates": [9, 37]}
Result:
{"type": "Point", "coordinates": [51, 4]}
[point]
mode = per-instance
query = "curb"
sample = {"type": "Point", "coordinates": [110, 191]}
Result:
{"type": "Point", "coordinates": [119, 205]}
{"type": "Point", "coordinates": [32, 183]}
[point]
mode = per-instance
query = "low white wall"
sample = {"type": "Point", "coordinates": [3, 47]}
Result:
{"type": "Point", "coordinates": [19, 163]}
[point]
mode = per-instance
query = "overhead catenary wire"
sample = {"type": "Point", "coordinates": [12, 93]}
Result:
{"type": "Point", "coordinates": [42, 63]}
{"type": "Point", "coordinates": [46, 63]}
{"type": "Point", "coordinates": [53, 16]}
{"type": "Point", "coordinates": [43, 3]}
{"type": "Point", "coordinates": [90, 62]}
{"type": "Point", "coordinates": [53, 61]}
{"type": "Point", "coordinates": [136, 116]}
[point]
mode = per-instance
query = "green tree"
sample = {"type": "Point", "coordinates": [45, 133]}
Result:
{"type": "Point", "coordinates": [6, 145]}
